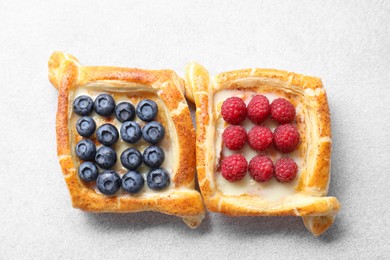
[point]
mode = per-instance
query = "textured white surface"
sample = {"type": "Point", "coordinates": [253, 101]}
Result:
{"type": "Point", "coordinates": [346, 43]}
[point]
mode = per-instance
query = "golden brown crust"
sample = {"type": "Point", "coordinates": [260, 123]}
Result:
{"type": "Point", "coordinates": [66, 73]}
{"type": "Point", "coordinates": [318, 212]}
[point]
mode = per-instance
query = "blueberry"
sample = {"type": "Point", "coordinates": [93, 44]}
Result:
{"type": "Point", "coordinates": [86, 150]}
{"type": "Point", "coordinates": [131, 132]}
{"type": "Point", "coordinates": [85, 126]}
{"type": "Point", "coordinates": [82, 105]}
{"type": "Point", "coordinates": [132, 182]}
{"type": "Point", "coordinates": [108, 182]}
{"type": "Point", "coordinates": [104, 105]}
{"type": "Point", "coordinates": [88, 171]}
{"type": "Point", "coordinates": [147, 110]}
{"type": "Point", "coordinates": [153, 156]}
{"type": "Point", "coordinates": [125, 111]}
{"type": "Point", "coordinates": [107, 134]}
{"type": "Point", "coordinates": [131, 159]}
{"type": "Point", "coordinates": [157, 179]}
{"type": "Point", "coordinates": [153, 132]}
{"type": "Point", "coordinates": [105, 157]}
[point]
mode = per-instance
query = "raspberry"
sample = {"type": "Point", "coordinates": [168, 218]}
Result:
{"type": "Point", "coordinates": [234, 137]}
{"type": "Point", "coordinates": [282, 110]}
{"type": "Point", "coordinates": [260, 138]}
{"type": "Point", "coordinates": [261, 168]}
{"type": "Point", "coordinates": [258, 109]}
{"type": "Point", "coordinates": [286, 138]}
{"type": "Point", "coordinates": [285, 170]}
{"type": "Point", "coordinates": [234, 167]}
{"type": "Point", "coordinates": [234, 110]}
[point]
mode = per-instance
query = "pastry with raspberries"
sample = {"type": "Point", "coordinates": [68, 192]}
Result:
{"type": "Point", "coordinates": [234, 137]}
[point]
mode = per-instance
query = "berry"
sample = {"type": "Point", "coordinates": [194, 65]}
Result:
{"type": "Point", "coordinates": [234, 167]}
{"type": "Point", "coordinates": [125, 111]}
{"type": "Point", "coordinates": [153, 132]}
{"type": "Point", "coordinates": [108, 182]}
{"type": "Point", "coordinates": [261, 168]}
{"type": "Point", "coordinates": [153, 156]}
{"type": "Point", "coordinates": [286, 138]}
{"type": "Point", "coordinates": [131, 158]}
{"type": "Point", "coordinates": [147, 110]}
{"type": "Point", "coordinates": [258, 109]}
{"type": "Point", "coordinates": [85, 126]}
{"type": "Point", "coordinates": [285, 170]}
{"type": "Point", "coordinates": [260, 138]}
{"type": "Point", "coordinates": [86, 150]}
{"type": "Point", "coordinates": [107, 134]}
{"type": "Point", "coordinates": [104, 105]}
{"type": "Point", "coordinates": [132, 182]}
{"type": "Point", "coordinates": [282, 110]}
{"type": "Point", "coordinates": [158, 179]}
{"type": "Point", "coordinates": [131, 132]}
{"type": "Point", "coordinates": [88, 172]}
{"type": "Point", "coordinates": [234, 110]}
{"type": "Point", "coordinates": [82, 105]}
{"type": "Point", "coordinates": [105, 157]}
{"type": "Point", "coordinates": [234, 137]}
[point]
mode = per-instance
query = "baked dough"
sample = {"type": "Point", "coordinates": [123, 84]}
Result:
{"type": "Point", "coordinates": [309, 199]}
{"type": "Point", "coordinates": [180, 199]}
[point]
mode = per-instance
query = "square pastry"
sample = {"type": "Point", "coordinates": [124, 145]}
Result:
{"type": "Point", "coordinates": [125, 139]}
{"type": "Point", "coordinates": [263, 144]}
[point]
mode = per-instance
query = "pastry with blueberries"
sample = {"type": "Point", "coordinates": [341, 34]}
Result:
{"type": "Point", "coordinates": [125, 139]}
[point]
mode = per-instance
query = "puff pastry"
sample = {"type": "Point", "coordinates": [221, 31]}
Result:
{"type": "Point", "coordinates": [166, 89]}
{"type": "Point", "coordinates": [306, 197]}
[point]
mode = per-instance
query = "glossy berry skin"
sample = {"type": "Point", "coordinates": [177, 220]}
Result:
{"type": "Point", "coordinates": [108, 182]}
{"type": "Point", "coordinates": [234, 110]}
{"type": "Point", "coordinates": [234, 167]}
{"type": "Point", "coordinates": [88, 172]}
{"type": "Point", "coordinates": [86, 150]}
{"type": "Point", "coordinates": [132, 182]}
{"type": "Point", "coordinates": [285, 170]}
{"type": "Point", "coordinates": [282, 111]}
{"type": "Point", "coordinates": [261, 168]}
{"type": "Point", "coordinates": [260, 138]}
{"type": "Point", "coordinates": [158, 179]}
{"type": "Point", "coordinates": [286, 138]}
{"type": "Point", "coordinates": [83, 105]}
{"type": "Point", "coordinates": [153, 132]}
{"type": "Point", "coordinates": [153, 156]}
{"type": "Point", "coordinates": [147, 110]}
{"type": "Point", "coordinates": [131, 159]}
{"type": "Point", "coordinates": [104, 105]}
{"type": "Point", "coordinates": [85, 126]}
{"type": "Point", "coordinates": [105, 157]}
{"type": "Point", "coordinates": [258, 109]}
{"type": "Point", "coordinates": [107, 134]}
{"type": "Point", "coordinates": [131, 132]}
{"type": "Point", "coordinates": [234, 137]}
{"type": "Point", "coordinates": [125, 111]}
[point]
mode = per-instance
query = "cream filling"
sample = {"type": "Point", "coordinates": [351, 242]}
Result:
{"type": "Point", "coordinates": [122, 94]}
{"type": "Point", "coordinates": [271, 190]}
